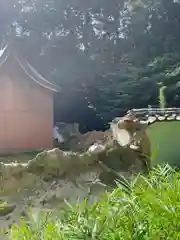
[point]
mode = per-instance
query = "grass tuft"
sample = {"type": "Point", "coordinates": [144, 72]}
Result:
{"type": "Point", "coordinates": [151, 210]}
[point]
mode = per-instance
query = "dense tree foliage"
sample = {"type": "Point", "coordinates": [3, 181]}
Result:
{"type": "Point", "coordinates": [107, 56]}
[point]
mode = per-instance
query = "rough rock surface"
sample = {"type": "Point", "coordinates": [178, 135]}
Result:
{"type": "Point", "coordinates": [55, 175]}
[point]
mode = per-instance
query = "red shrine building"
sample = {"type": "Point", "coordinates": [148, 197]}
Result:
{"type": "Point", "coordinates": [26, 105]}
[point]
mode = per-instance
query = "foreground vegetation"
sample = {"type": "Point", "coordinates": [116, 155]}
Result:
{"type": "Point", "coordinates": [146, 208]}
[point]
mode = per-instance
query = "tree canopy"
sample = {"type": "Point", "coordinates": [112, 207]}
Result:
{"type": "Point", "coordinates": [107, 56]}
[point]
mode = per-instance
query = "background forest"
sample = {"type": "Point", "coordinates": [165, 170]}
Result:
{"type": "Point", "coordinates": [107, 56]}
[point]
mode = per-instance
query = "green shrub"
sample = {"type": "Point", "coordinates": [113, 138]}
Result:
{"type": "Point", "coordinates": [150, 209]}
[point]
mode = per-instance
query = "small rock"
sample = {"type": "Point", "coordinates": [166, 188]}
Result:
{"type": "Point", "coordinates": [151, 119]}
{"type": "Point", "coordinates": [161, 118]}
{"type": "Point", "coordinates": [170, 118]}
{"type": "Point", "coordinates": [96, 148]}
{"type": "Point", "coordinates": [7, 209]}
{"type": "Point", "coordinates": [134, 147]}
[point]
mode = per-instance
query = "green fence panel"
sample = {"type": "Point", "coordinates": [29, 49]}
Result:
{"type": "Point", "coordinates": [165, 140]}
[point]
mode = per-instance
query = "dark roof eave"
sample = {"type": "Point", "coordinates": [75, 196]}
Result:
{"type": "Point", "coordinates": [29, 70]}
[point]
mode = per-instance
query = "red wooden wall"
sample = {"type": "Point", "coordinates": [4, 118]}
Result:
{"type": "Point", "coordinates": [26, 114]}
